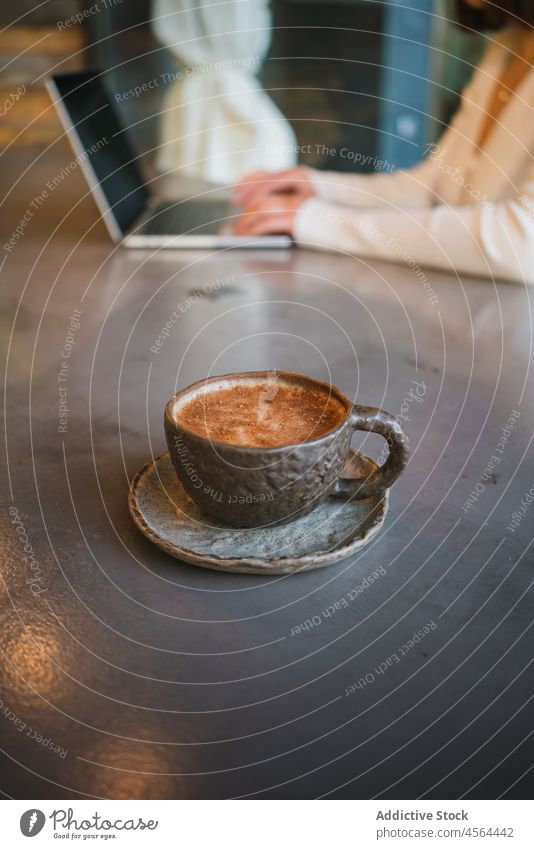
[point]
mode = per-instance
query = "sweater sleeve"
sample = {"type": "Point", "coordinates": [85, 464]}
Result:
{"type": "Point", "coordinates": [413, 188]}
{"type": "Point", "coordinates": [486, 239]}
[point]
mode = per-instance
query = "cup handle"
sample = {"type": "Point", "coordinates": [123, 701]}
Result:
{"type": "Point", "coordinates": [379, 421]}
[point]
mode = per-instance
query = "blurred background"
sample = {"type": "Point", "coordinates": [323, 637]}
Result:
{"type": "Point", "coordinates": [216, 90]}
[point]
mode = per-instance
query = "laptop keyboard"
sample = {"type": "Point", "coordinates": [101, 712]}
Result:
{"type": "Point", "coordinates": [196, 217]}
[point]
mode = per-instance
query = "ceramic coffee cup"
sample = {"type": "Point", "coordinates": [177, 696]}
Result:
{"type": "Point", "coordinates": [245, 486]}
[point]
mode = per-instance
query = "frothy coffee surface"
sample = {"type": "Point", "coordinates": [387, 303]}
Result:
{"type": "Point", "coordinates": [264, 415]}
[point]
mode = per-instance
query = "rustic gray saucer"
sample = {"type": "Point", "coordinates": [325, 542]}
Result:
{"type": "Point", "coordinates": [168, 517]}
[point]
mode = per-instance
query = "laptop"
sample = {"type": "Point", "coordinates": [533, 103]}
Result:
{"type": "Point", "coordinates": [134, 217]}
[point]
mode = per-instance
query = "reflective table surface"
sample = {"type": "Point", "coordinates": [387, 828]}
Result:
{"type": "Point", "coordinates": [402, 672]}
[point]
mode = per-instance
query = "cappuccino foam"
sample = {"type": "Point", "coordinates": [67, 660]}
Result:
{"type": "Point", "coordinates": [260, 414]}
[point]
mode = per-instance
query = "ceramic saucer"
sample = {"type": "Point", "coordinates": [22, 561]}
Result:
{"type": "Point", "coordinates": [168, 517]}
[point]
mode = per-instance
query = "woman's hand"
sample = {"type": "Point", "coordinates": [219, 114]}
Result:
{"type": "Point", "coordinates": [272, 214]}
{"type": "Point", "coordinates": [262, 184]}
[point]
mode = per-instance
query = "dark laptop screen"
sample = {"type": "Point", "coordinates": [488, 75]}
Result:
{"type": "Point", "coordinates": [106, 148]}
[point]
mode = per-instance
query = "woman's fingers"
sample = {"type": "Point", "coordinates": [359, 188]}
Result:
{"type": "Point", "coordinates": [263, 224]}
{"type": "Point", "coordinates": [260, 191]}
{"type": "Point", "coordinates": [263, 184]}
{"type": "Point", "coordinates": [248, 185]}
{"type": "Point", "coordinates": [275, 214]}
{"type": "Point", "coordinates": [253, 188]}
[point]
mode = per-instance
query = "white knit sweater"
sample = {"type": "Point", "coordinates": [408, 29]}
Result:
{"type": "Point", "coordinates": [462, 208]}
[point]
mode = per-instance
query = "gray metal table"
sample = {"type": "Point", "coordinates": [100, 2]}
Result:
{"type": "Point", "coordinates": [131, 675]}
